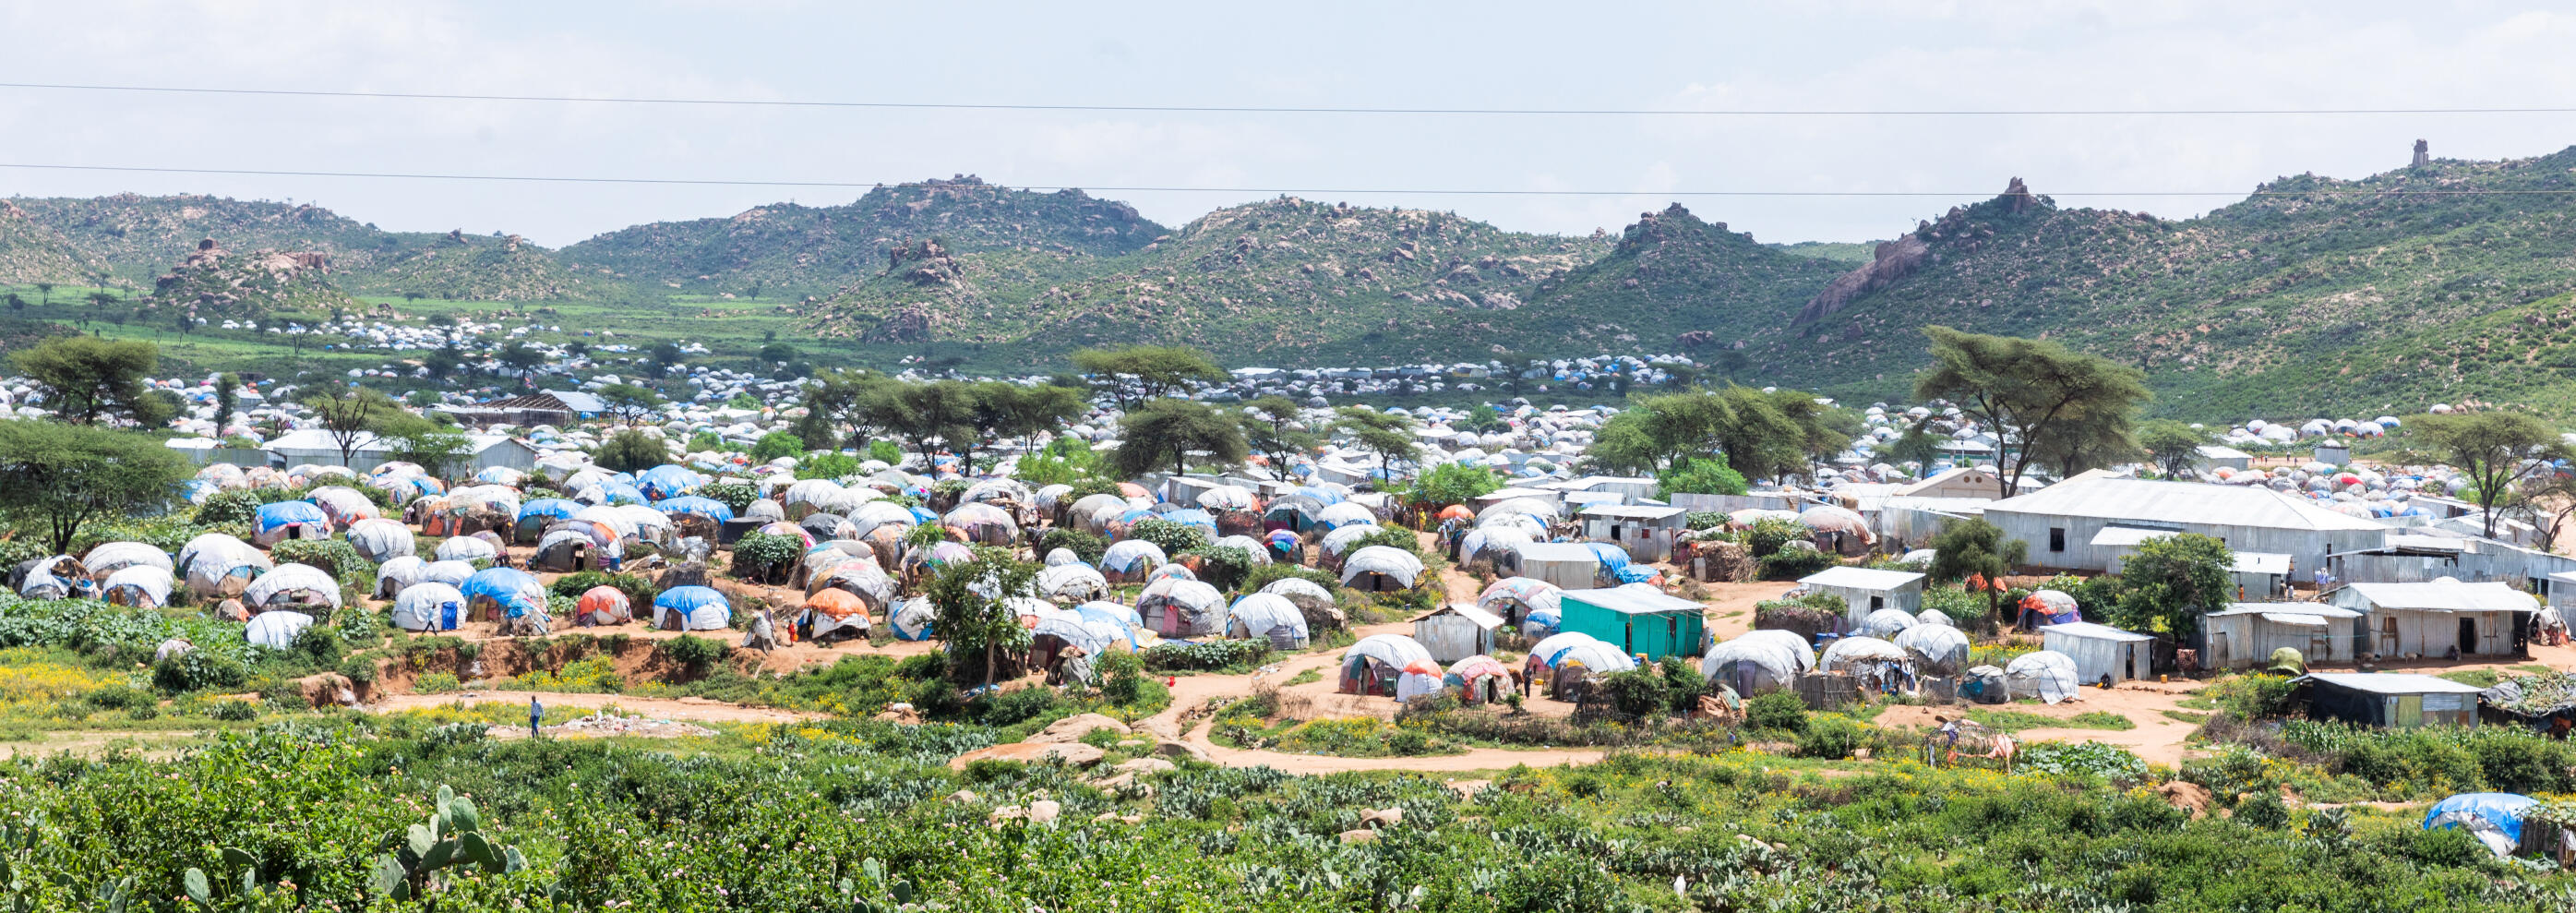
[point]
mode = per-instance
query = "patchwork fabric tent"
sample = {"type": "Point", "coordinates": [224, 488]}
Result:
{"type": "Point", "coordinates": [692, 608]}
{"type": "Point", "coordinates": [1174, 607]}
{"type": "Point", "coordinates": [292, 585]}
{"type": "Point", "coordinates": [141, 586]}
{"type": "Point", "coordinates": [1267, 615]}
{"type": "Point", "coordinates": [603, 605]}
{"type": "Point", "coordinates": [1372, 665]}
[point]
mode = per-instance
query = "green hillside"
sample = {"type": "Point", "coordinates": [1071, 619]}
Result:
{"type": "Point", "coordinates": [218, 283]}
{"type": "Point", "coordinates": [138, 237]}
{"type": "Point", "coordinates": [2322, 294]}
{"type": "Point", "coordinates": [31, 253]}
{"type": "Point", "coordinates": [1285, 280]}
{"type": "Point", "coordinates": [816, 249]}
{"type": "Point", "coordinates": [1675, 281]}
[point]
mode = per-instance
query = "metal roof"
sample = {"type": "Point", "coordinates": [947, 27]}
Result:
{"type": "Point", "coordinates": [2180, 503]}
{"type": "Point", "coordinates": [1482, 618]}
{"type": "Point", "coordinates": [2089, 630]}
{"type": "Point", "coordinates": [2444, 596]}
{"type": "Point", "coordinates": [1556, 551]}
{"type": "Point", "coordinates": [2262, 563]}
{"type": "Point", "coordinates": [1628, 599]}
{"type": "Point", "coordinates": [1860, 578]}
{"type": "Point", "coordinates": [2268, 609]}
{"type": "Point", "coordinates": [1639, 511]}
{"type": "Point", "coordinates": [2390, 682]}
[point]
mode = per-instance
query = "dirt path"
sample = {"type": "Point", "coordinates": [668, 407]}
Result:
{"type": "Point", "coordinates": [693, 709]}
{"type": "Point", "coordinates": [158, 745]}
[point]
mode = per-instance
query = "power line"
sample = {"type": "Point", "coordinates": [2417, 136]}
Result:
{"type": "Point", "coordinates": [1299, 109]}
{"type": "Point", "coordinates": [1349, 191]}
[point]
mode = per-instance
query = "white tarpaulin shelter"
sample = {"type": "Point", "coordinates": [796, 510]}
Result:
{"type": "Point", "coordinates": [2100, 651]}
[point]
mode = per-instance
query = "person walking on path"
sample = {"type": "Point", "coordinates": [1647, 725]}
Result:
{"type": "Point", "coordinates": [536, 714]}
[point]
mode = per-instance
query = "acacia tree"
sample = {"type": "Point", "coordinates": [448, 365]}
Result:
{"type": "Point", "coordinates": [2037, 395]}
{"type": "Point", "coordinates": [2496, 449]}
{"type": "Point", "coordinates": [2173, 446]}
{"type": "Point", "coordinates": [1976, 548]}
{"type": "Point", "coordinates": [62, 477]}
{"type": "Point", "coordinates": [350, 417]}
{"type": "Point", "coordinates": [1271, 428]}
{"type": "Point", "coordinates": [974, 614]}
{"type": "Point", "coordinates": [85, 379]}
{"type": "Point", "coordinates": [631, 450]}
{"type": "Point", "coordinates": [227, 401]}
{"type": "Point", "coordinates": [1916, 444]}
{"type": "Point", "coordinates": [1133, 375]}
{"type": "Point", "coordinates": [629, 402]}
{"type": "Point", "coordinates": [1386, 434]}
{"type": "Point", "coordinates": [1173, 429]}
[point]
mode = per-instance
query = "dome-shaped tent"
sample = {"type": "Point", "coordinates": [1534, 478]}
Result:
{"type": "Point", "coordinates": [1072, 583]}
{"type": "Point", "coordinates": [833, 614]}
{"type": "Point", "coordinates": [500, 592]}
{"type": "Point", "coordinates": [1267, 615]}
{"type": "Point", "coordinates": [1381, 568]}
{"type": "Point", "coordinates": [1936, 649]}
{"type": "Point", "coordinates": [1174, 607]}
{"type": "Point", "coordinates": [1884, 623]}
{"type": "Point", "coordinates": [1750, 666]}
{"type": "Point", "coordinates": [395, 574]}
{"type": "Point", "coordinates": [467, 549]}
{"type": "Point", "coordinates": [111, 557]}
{"type": "Point", "coordinates": [276, 630]}
{"type": "Point", "coordinates": [1372, 665]}
{"type": "Point", "coordinates": [603, 605]}
{"type": "Point", "coordinates": [912, 620]}
{"type": "Point", "coordinates": [1512, 599]}
{"type": "Point", "coordinates": [290, 585]}
{"type": "Point", "coordinates": [285, 520]}
{"type": "Point", "coordinates": [2045, 674]}
{"type": "Point", "coordinates": [693, 608]}
{"type": "Point", "coordinates": [141, 586]}
{"type": "Point", "coordinates": [452, 573]}
{"type": "Point", "coordinates": [429, 607]}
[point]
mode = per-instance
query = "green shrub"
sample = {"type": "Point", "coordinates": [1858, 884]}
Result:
{"type": "Point", "coordinates": [1087, 546]}
{"type": "Point", "coordinates": [1274, 572]}
{"type": "Point", "coordinates": [319, 646]}
{"type": "Point", "coordinates": [233, 711]}
{"type": "Point", "coordinates": [1703, 519]}
{"type": "Point", "coordinates": [731, 494]}
{"type": "Point", "coordinates": [1770, 533]}
{"type": "Point", "coordinates": [2251, 697]}
{"type": "Point", "coordinates": [764, 556]}
{"type": "Point", "coordinates": [1778, 711]}
{"type": "Point", "coordinates": [334, 556]}
{"type": "Point", "coordinates": [199, 670]}
{"type": "Point", "coordinates": [1638, 692]}
{"type": "Point", "coordinates": [690, 652]}
{"type": "Point", "coordinates": [1793, 564]}
{"type": "Point", "coordinates": [2263, 809]}
{"type": "Point", "coordinates": [639, 590]}
{"type": "Point", "coordinates": [1172, 538]}
{"type": "Point", "coordinates": [1831, 736]}
{"type": "Point", "coordinates": [1122, 677]}
{"type": "Point", "coordinates": [120, 697]}
{"type": "Point", "coordinates": [358, 669]}
{"type": "Point", "coordinates": [1205, 656]}
{"type": "Point", "coordinates": [231, 507]}
{"type": "Point", "coordinates": [1224, 567]}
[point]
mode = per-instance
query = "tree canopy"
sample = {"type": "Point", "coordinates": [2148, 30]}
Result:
{"type": "Point", "coordinates": [1454, 483]}
{"type": "Point", "coordinates": [86, 379]}
{"type": "Point", "coordinates": [630, 402]}
{"type": "Point", "coordinates": [1976, 551]}
{"type": "Point", "coordinates": [2048, 403]}
{"type": "Point", "coordinates": [2173, 446]}
{"type": "Point", "coordinates": [2173, 580]}
{"type": "Point", "coordinates": [2496, 449]}
{"type": "Point", "coordinates": [1386, 434]}
{"type": "Point", "coordinates": [1134, 374]}
{"type": "Point", "coordinates": [631, 450]}
{"type": "Point", "coordinates": [1759, 435]}
{"type": "Point", "coordinates": [62, 477]}
{"type": "Point", "coordinates": [975, 618]}
{"type": "Point", "coordinates": [1271, 429]}
{"type": "Point", "coordinates": [1701, 476]}
{"type": "Point", "coordinates": [1172, 429]}
{"type": "Point", "coordinates": [350, 416]}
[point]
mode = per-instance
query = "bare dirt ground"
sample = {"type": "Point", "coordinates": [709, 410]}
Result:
{"type": "Point", "coordinates": [159, 745]}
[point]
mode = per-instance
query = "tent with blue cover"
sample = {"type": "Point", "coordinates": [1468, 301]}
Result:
{"type": "Point", "coordinates": [692, 608]}
{"type": "Point", "coordinates": [290, 520]}
{"type": "Point", "coordinates": [611, 492]}
{"type": "Point", "coordinates": [534, 515]}
{"type": "Point", "coordinates": [911, 620]}
{"type": "Point", "coordinates": [667, 481]}
{"type": "Point", "coordinates": [2496, 819]}
{"type": "Point", "coordinates": [500, 592]}
{"type": "Point", "coordinates": [1612, 557]}
{"type": "Point", "coordinates": [429, 607]}
{"type": "Point", "coordinates": [699, 506]}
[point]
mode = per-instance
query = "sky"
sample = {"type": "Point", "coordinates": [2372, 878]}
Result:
{"type": "Point", "coordinates": [1817, 55]}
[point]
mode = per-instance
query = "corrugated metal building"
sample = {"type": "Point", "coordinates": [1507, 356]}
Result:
{"type": "Point", "coordinates": [2101, 651]}
{"type": "Point", "coordinates": [2244, 635]}
{"type": "Point", "coordinates": [2399, 700]}
{"type": "Point", "coordinates": [1569, 565]}
{"type": "Point", "coordinates": [1457, 632]}
{"type": "Point", "coordinates": [1646, 531]}
{"type": "Point", "coordinates": [2060, 521]}
{"type": "Point", "coordinates": [1636, 619]}
{"type": "Point", "coordinates": [1865, 590]}
{"type": "Point", "coordinates": [2418, 620]}
{"type": "Point", "coordinates": [2257, 575]}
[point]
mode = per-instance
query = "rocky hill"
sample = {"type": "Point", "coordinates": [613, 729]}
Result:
{"type": "Point", "coordinates": [214, 283]}
{"type": "Point", "coordinates": [1284, 279]}
{"type": "Point", "coordinates": [137, 237]}
{"type": "Point", "coordinates": [1678, 282]}
{"type": "Point", "coordinates": [31, 252]}
{"type": "Point", "coordinates": [2346, 294]}
{"type": "Point", "coordinates": [815, 249]}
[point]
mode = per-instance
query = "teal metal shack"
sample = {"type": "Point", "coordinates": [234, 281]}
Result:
{"type": "Point", "coordinates": [1636, 618]}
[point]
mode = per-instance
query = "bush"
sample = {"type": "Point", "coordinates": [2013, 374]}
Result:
{"type": "Point", "coordinates": [774, 445]}
{"type": "Point", "coordinates": [1224, 567]}
{"type": "Point", "coordinates": [1638, 692]}
{"type": "Point", "coordinates": [1778, 711]}
{"type": "Point", "coordinates": [358, 669]}
{"type": "Point", "coordinates": [233, 711]}
{"type": "Point", "coordinates": [762, 556]}
{"type": "Point", "coordinates": [1274, 572]}
{"type": "Point", "coordinates": [2251, 697]}
{"type": "Point", "coordinates": [1831, 736]}
{"type": "Point", "coordinates": [1205, 656]}
{"type": "Point", "coordinates": [1086, 546]}
{"type": "Point", "coordinates": [2264, 810]}
{"type": "Point", "coordinates": [1770, 533]}
{"type": "Point", "coordinates": [827, 465]}
{"type": "Point", "coordinates": [1683, 684]}
{"type": "Point", "coordinates": [692, 653]}
{"type": "Point", "coordinates": [1172, 538]}
{"type": "Point", "coordinates": [1791, 564]}
{"type": "Point", "coordinates": [732, 494]}
{"type": "Point", "coordinates": [1395, 537]}
{"type": "Point", "coordinates": [639, 591]}
{"type": "Point", "coordinates": [1122, 677]}
{"type": "Point", "coordinates": [199, 670]}
{"type": "Point", "coordinates": [120, 697]}
{"type": "Point", "coordinates": [231, 507]}
{"type": "Point", "coordinates": [320, 646]}
{"type": "Point", "coordinates": [1004, 708]}
{"type": "Point", "coordinates": [1703, 519]}
{"type": "Point", "coordinates": [334, 556]}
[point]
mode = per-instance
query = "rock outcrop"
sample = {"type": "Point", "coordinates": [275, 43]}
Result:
{"type": "Point", "coordinates": [1895, 260]}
